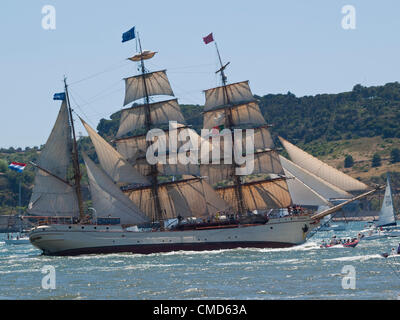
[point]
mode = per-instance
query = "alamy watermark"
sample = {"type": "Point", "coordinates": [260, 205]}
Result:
{"type": "Point", "coordinates": [349, 279]}
{"type": "Point", "coordinates": [49, 17]}
{"type": "Point", "coordinates": [49, 280]}
{"type": "Point", "coordinates": [237, 147]}
{"type": "Point", "coordinates": [349, 20]}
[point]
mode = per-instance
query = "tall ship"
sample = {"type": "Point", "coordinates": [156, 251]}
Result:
{"type": "Point", "coordinates": [158, 203]}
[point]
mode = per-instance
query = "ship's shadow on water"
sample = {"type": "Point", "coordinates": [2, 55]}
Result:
{"type": "Point", "coordinates": [301, 272]}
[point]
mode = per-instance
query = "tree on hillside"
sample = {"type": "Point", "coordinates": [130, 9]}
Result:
{"type": "Point", "coordinates": [3, 165]}
{"type": "Point", "coordinates": [395, 155]}
{"type": "Point", "coordinates": [376, 160]}
{"type": "Point", "coordinates": [348, 161]}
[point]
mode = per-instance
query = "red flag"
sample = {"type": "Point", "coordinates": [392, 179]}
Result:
{"type": "Point", "coordinates": [208, 39]}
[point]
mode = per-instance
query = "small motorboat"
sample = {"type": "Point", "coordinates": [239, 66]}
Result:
{"type": "Point", "coordinates": [374, 234]}
{"type": "Point", "coordinates": [15, 240]}
{"type": "Point", "coordinates": [346, 243]}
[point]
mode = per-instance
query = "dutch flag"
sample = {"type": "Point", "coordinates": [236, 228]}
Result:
{"type": "Point", "coordinates": [16, 166]}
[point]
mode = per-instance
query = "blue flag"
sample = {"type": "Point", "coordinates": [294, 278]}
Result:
{"type": "Point", "coordinates": [129, 35]}
{"type": "Point", "coordinates": [59, 96]}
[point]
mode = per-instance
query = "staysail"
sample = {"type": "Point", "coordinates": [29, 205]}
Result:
{"type": "Point", "coordinates": [321, 169]}
{"type": "Point", "coordinates": [117, 168]}
{"type": "Point", "coordinates": [302, 194]}
{"type": "Point", "coordinates": [108, 200]}
{"type": "Point", "coordinates": [325, 189]}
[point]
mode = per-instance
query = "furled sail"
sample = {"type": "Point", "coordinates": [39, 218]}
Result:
{"type": "Point", "coordinates": [321, 169]}
{"type": "Point", "coordinates": [52, 196]}
{"type": "Point", "coordinates": [242, 115]}
{"type": "Point", "coordinates": [108, 199]}
{"type": "Point", "coordinates": [386, 215]}
{"type": "Point", "coordinates": [156, 84]}
{"type": "Point", "coordinates": [160, 114]}
{"type": "Point", "coordinates": [259, 195]}
{"type": "Point", "coordinates": [322, 187]}
{"type": "Point", "coordinates": [113, 163]}
{"type": "Point", "coordinates": [238, 93]}
{"type": "Point", "coordinates": [188, 198]}
{"type": "Point", "coordinates": [145, 55]}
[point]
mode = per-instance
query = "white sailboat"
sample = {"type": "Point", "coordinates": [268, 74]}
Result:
{"type": "Point", "coordinates": [386, 224]}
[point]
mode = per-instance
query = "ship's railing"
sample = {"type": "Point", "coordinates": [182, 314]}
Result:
{"type": "Point", "coordinates": [46, 220]}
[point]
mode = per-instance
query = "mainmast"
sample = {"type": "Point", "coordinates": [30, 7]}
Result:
{"type": "Point", "coordinates": [75, 159]}
{"type": "Point", "coordinates": [229, 125]}
{"type": "Point", "coordinates": [153, 168]}
{"type": "Point", "coordinates": [233, 106]}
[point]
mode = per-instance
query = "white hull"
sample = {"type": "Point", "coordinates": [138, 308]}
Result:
{"type": "Point", "coordinates": [86, 239]}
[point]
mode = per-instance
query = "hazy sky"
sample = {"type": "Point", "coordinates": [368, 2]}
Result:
{"type": "Point", "coordinates": [280, 46]}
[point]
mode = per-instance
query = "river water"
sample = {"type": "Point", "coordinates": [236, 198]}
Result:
{"type": "Point", "coordinates": [302, 272]}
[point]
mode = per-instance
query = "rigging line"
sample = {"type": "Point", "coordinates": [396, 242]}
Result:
{"type": "Point", "coordinates": [87, 118]}
{"type": "Point", "coordinates": [178, 68]}
{"type": "Point", "coordinates": [111, 68]}
{"type": "Point", "coordinates": [102, 94]}
{"type": "Point", "coordinates": [187, 93]}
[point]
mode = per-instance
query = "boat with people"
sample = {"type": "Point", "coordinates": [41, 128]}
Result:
{"type": "Point", "coordinates": [346, 242]}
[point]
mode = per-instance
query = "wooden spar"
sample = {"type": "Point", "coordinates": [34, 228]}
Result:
{"type": "Point", "coordinates": [154, 169]}
{"type": "Point", "coordinates": [49, 173]}
{"type": "Point", "coordinates": [75, 159]}
{"type": "Point", "coordinates": [229, 120]}
{"type": "Point", "coordinates": [329, 211]}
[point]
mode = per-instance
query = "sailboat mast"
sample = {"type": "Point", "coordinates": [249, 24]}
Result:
{"type": "Point", "coordinates": [75, 160]}
{"type": "Point", "coordinates": [228, 113]}
{"type": "Point", "coordinates": [153, 168]}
